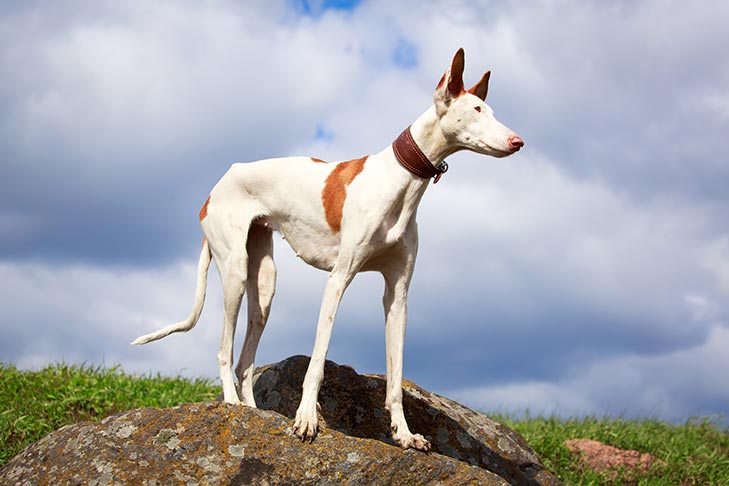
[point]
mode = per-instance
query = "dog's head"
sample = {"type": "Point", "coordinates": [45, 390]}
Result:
{"type": "Point", "coordinates": [466, 120]}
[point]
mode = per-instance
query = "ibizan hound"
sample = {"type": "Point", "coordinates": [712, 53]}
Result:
{"type": "Point", "coordinates": [345, 218]}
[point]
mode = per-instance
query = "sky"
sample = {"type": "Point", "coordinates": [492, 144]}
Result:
{"type": "Point", "coordinates": [586, 275]}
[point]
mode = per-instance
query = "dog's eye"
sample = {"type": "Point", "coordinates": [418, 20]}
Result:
{"type": "Point", "coordinates": [477, 108]}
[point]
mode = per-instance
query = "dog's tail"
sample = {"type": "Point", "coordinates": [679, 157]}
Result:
{"type": "Point", "coordinates": [200, 288]}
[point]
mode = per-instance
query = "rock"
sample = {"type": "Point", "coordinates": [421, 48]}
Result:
{"type": "Point", "coordinates": [217, 443]}
{"type": "Point", "coordinates": [354, 405]}
{"type": "Point", "coordinates": [607, 459]}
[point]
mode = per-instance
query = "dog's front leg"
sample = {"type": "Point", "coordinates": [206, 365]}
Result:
{"type": "Point", "coordinates": [397, 282]}
{"type": "Point", "coordinates": [305, 425]}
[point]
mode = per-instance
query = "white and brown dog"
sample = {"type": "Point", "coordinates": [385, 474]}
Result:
{"type": "Point", "coordinates": [345, 218]}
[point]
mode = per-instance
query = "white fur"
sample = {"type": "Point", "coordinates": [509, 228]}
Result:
{"type": "Point", "coordinates": [378, 233]}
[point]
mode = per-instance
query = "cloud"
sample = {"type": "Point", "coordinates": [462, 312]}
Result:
{"type": "Point", "coordinates": [81, 313]}
{"type": "Point", "coordinates": [89, 314]}
{"type": "Point", "coordinates": [674, 386]}
{"type": "Point", "coordinates": [716, 261]}
{"type": "Point", "coordinates": [616, 92]}
{"type": "Point", "coordinates": [601, 246]}
{"type": "Point", "coordinates": [521, 303]}
{"type": "Point", "coordinates": [555, 269]}
{"type": "Point", "coordinates": [141, 119]}
{"type": "Point", "coordinates": [86, 314]}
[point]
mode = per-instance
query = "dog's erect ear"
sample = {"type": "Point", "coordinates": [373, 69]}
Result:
{"type": "Point", "coordinates": [450, 86]}
{"type": "Point", "coordinates": [455, 74]}
{"type": "Point", "coordinates": [481, 88]}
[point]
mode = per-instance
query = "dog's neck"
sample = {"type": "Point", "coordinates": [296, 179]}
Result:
{"type": "Point", "coordinates": [428, 135]}
{"type": "Point", "coordinates": [409, 155]}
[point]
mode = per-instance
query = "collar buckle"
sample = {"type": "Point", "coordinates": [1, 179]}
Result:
{"type": "Point", "coordinates": [442, 169]}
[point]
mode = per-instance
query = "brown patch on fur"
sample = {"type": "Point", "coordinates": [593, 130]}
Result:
{"type": "Point", "coordinates": [317, 160]}
{"type": "Point", "coordinates": [204, 209]}
{"type": "Point", "coordinates": [335, 190]}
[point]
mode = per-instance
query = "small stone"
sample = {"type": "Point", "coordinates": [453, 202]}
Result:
{"type": "Point", "coordinates": [608, 459]}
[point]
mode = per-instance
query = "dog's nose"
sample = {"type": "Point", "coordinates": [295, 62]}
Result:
{"type": "Point", "coordinates": [515, 142]}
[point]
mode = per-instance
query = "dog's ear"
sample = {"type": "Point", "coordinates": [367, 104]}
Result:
{"type": "Point", "coordinates": [455, 74]}
{"type": "Point", "coordinates": [481, 88]}
{"type": "Point", "coordinates": [450, 86]}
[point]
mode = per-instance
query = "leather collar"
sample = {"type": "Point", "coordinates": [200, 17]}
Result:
{"type": "Point", "coordinates": [413, 159]}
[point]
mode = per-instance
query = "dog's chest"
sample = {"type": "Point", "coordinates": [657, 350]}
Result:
{"type": "Point", "coordinates": [372, 232]}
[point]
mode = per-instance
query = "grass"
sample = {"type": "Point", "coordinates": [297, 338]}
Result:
{"type": "Point", "coordinates": [694, 453]}
{"type": "Point", "coordinates": [35, 403]}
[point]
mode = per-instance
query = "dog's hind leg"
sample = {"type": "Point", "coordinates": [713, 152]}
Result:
{"type": "Point", "coordinates": [260, 287]}
{"type": "Point", "coordinates": [233, 268]}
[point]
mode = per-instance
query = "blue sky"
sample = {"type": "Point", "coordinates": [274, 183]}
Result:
{"type": "Point", "coordinates": [316, 8]}
{"type": "Point", "coordinates": [588, 274]}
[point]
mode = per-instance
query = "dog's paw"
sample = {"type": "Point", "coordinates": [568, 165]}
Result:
{"type": "Point", "coordinates": [414, 441]}
{"type": "Point", "coordinates": [305, 426]}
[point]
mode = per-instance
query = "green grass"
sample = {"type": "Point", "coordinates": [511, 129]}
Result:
{"type": "Point", "coordinates": [35, 403]}
{"type": "Point", "coordinates": [695, 453]}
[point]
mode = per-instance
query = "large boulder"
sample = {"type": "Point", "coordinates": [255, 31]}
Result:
{"type": "Point", "coordinates": [217, 443]}
{"type": "Point", "coordinates": [354, 405]}
{"type": "Point", "coordinates": [221, 444]}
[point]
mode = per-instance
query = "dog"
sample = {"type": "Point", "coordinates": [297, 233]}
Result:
{"type": "Point", "coordinates": [344, 218]}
